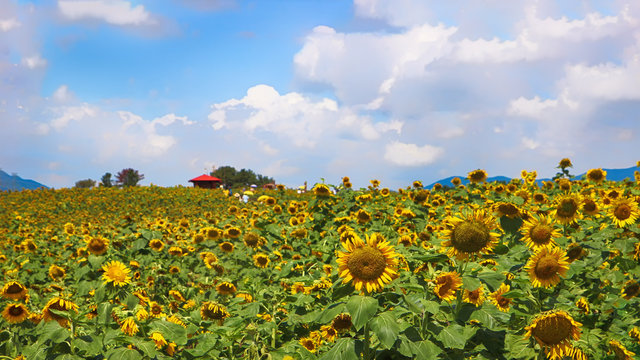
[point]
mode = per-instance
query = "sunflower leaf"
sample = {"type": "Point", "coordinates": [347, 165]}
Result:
{"type": "Point", "coordinates": [344, 349]}
{"type": "Point", "coordinates": [386, 328]}
{"type": "Point", "coordinates": [362, 309]}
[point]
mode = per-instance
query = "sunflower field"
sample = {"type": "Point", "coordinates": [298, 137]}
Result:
{"type": "Point", "coordinates": [518, 270]}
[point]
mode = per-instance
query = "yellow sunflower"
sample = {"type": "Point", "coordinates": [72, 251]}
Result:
{"type": "Point", "coordinates": [538, 231]}
{"type": "Point", "coordinates": [506, 209]}
{"type": "Point", "coordinates": [596, 175]}
{"type": "Point", "coordinates": [129, 327]}
{"type": "Point", "coordinates": [156, 244]}
{"type": "Point", "coordinates": [546, 266]}
{"type": "Point", "coordinates": [567, 206]}
{"type": "Point", "coordinates": [252, 240]}
{"type": "Point", "coordinates": [590, 206]}
{"type": "Point", "coordinates": [635, 334]}
{"type": "Point", "coordinates": [583, 304]}
{"type": "Point", "coordinates": [59, 304]}
{"type": "Point", "coordinates": [321, 190]}
{"type": "Point", "coordinates": [501, 302]}
{"type": "Point", "coordinates": [232, 232]}
{"type": "Point", "coordinates": [116, 273]}
{"type": "Point", "coordinates": [565, 163]}
{"type": "Point", "coordinates": [370, 265]}
{"type": "Point", "coordinates": [158, 339]}
{"type": "Point", "coordinates": [620, 351]}
{"type": "Point", "coordinates": [624, 212]}
{"type": "Point", "coordinates": [554, 330]}
{"type": "Point", "coordinates": [97, 245]}
{"type": "Point", "coordinates": [469, 235]}
{"type": "Point", "coordinates": [447, 285]}
{"type": "Point", "coordinates": [56, 273]}
{"type": "Point", "coordinates": [15, 313]}
{"type": "Point", "coordinates": [631, 289]}
{"type": "Point", "coordinates": [342, 322]}
{"type": "Point", "coordinates": [225, 288]}
{"type": "Point", "coordinates": [226, 247]}
{"type": "Point", "coordinates": [214, 311]}
{"type": "Point", "coordinates": [261, 260]}
{"type": "Point", "coordinates": [14, 290]}
{"type": "Point", "coordinates": [477, 176]}
{"type": "Point", "coordinates": [475, 297]}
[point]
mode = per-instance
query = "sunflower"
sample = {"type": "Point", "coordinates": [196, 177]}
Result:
{"type": "Point", "coordinates": [58, 304]}
{"type": "Point", "coordinates": [538, 231]}
{"type": "Point", "coordinates": [342, 322]}
{"type": "Point", "coordinates": [14, 290]}
{"type": "Point", "coordinates": [226, 288]}
{"type": "Point", "coordinates": [362, 216]}
{"type": "Point", "coordinates": [635, 334]}
{"type": "Point", "coordinates": [546, 266]}
{"type": "Point", "coordinates": [69, 229]}
{"type": "Point", "coordinates": [156, 244]}
{"type": "Point", "coordinates": [475, 297]}
{"type": "Point", "coordinates": [477, 176]}
{"type": "Point", "coordinates": [596, 175]}
{"type": "Point", "coordinates": [369, 264]}
{"type": "Point", "coordinates": [328, 333]}
{"type": "Point", "coordinates": [116, 273]}
{"type": "Point", "coordinates": [15, 313]}
{"type": "Point", "coordinates": [261, 260]}
{"type": "Point", "coordinates": [469, 235]}
{"type": "Point", "coordinates": [590, 206]}
{"type": "Point", "coordinates": [506, 209]}
{"type": "Point", "coordinates": [554, 330]}
{"type": "Point", "coordinates": [232, 232]}
{"type": "Point", "coordinates": [252, 240]}
{"type": "Point", "coordinates": [567, 206]}
{"type": "Point", "coordinates": [321, 190]}
{"type": "Point", "coordinates": [214, 311]}
{"type": "Point", "coordinates": [97, 245]}
{"type": "Point", "coordinates": [624, 212]}
{"type": "Point", "coordinates": [501, 302]}
{"type": "Point", "coordinates": [156, 309]}
{"type": "Point", "coordinates": [620, 351]}
{"type": "Point", "coordinates": [176, 251]}
{"type": "Point", "coordinates": [56, 273]}
{"type": "Point", "coordinates": [447, 285]}
{"type": "Point", "coordinates": [226, 247]}
{"type": "Point", "coordinates": [309, 344]}
{"type": "Point", "coordinates": [583, 304]}
{"type": "Point", "coordinates": [129, 327]}
{"type": "Point", "coordinates": [158, 339]}
{"type": "Point", "coordinates": [631, 289]}
{"type": "Point", "coordinates": [247, 298]}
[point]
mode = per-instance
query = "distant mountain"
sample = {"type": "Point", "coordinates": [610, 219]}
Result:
{"type": "Point", "coordinates": [612, 174]}
{"type": "Point", "coordinates": [15, 182]}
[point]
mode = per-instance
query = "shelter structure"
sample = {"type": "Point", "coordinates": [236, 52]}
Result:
{"type": "Point", "coordinates": [206, 182]}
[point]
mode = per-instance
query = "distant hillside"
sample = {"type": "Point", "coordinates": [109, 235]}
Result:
{"type": "Point", "coordinates": [15, 182]}
{"type": "Point", "coordinates": [612, 174]}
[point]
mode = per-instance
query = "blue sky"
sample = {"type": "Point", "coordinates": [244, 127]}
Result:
{"type": "Point", "coordinates": [397, 90]}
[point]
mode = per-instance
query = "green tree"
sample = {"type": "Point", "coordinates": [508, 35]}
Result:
{"type": "Point", "coordinates": [128, 177]}
{"type": "Point", "coordinates": [245, 177]}
{"type": "Point", "coordinates": [106, 180]}
{"type": "Point", "coordinates": [85, 184]}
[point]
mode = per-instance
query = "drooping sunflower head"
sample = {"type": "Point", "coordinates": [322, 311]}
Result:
{"type": "Point", "coordinates": [368, 265]}
{"type": "Point", "coordinates": [58, 304]}
{"type": "Point", "coordinates": [565, 163]}
{"type": "Point", "coordinates": [590, 206]}
{"type": "Point", "coordinates": [226, 288]}
{"type": "Point", "coordinates": [624, 212]}
{"type": "Point", "coordinates": [596, 175]}
{"type": "Point", "coordinates": [447, 284]}
{"type": "Point", "coordinates": [14, 290]}
{"type": "Point", "coordinates": [554, 331]}
{"type": "Point", "coordinates": [15, 313]}
{"type": "Point", "coordinates": [252, 240]}
{"type": "Point", "coordinates": [56, 273]}
{"type": "Point", "coordinates": [116, 273]}
{"type": "Point", "coordinates": [342, 322]}
{"type": "Point", "coordinates": [567, 206]}
{"type": "Point", "coordinates": [547, 265]}
{"type": "Point", "coordinates": [321, 190]}
{"type": "Point", "coordinates": [506, 209]}
{"type": "Point", "coordinates": [97, 245]}
{"type": "Point", "coordinates": [620, 351]}
{"type": "Point", "coordinates": [213, 311]}
{"type": "Point", "coordinates": [477, 176]}
{"type": "Point", "coordinates": [470, 234]}
{"type": "Point", "coordinates": [226, 247]}
{"type": "Point", "coordinates": [630, 289]}
{"type": "Point", "coordinates": [538, 231]}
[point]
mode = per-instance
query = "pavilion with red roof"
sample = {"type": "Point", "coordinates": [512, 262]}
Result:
{"type": "Point", "coordinates": [206, 182]}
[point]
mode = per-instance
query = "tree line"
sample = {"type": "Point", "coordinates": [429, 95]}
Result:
{"type": "Point", "coordinates": [124, 178]}
{"type": "Point", "coordinates": [233, 178]}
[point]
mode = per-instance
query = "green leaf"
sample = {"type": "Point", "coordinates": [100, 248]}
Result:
{"type": "Point", "coordinates": [471, 283]}
{"type": "Point", "coordinates": [425, 349]}
{"type": "Point", "coordinates": [123, 354]}
{"type": "Point", "coordinates": [170, 331]}
{"type": "Point", "coordinates": [490, 318]}
{"type": "Point", "coordinates": [139, 244]}
{"type": "Point", "coordinates": [386, 328]}
{"type": "Point", "coordinates": [362, 309]}
{"type": "Point", "coordinates": [331, 312]}
{"type": "Point", "coordinates": [148, 348]}
{"type": "Point", "coordinates": [54, 332]}
{"type": "Point", "coordinates": [104, 311]}
{"type": "Point", "coordinates": [455, 336]}
{"type": "Point", "coordinates": [492, 278]}
{"type": "Point", "coordinates": [431, 307]}
{"type": "Point", "coordinates": [519, 347]}
{"type": "Point", "coordinates": [513, 294]}
{"type": "Point", "coordinates": [344, 349]}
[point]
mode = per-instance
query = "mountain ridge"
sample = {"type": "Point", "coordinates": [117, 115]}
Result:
{"type": "Point", "coordinates": [15, 182]}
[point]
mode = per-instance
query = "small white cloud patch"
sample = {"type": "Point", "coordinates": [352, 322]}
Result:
{"type": "Point", "coordinates": [411, 154]}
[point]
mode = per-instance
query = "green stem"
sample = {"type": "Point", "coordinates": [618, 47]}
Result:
{"type": "Point", "coordinates": [367, 343]}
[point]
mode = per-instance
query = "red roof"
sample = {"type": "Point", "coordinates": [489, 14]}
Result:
{"type": "Point", "coordinates": [205, 178]}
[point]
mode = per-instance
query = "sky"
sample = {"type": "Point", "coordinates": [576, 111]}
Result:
{"type": "Point", "coordinates": [314, 90]}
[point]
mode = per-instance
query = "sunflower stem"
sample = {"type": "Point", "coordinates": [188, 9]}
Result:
{"type": "Point", "coordinates": [367, 343]}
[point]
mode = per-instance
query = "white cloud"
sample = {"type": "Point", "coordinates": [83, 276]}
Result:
{"type": "Point", "coordinates": [62, 94]}
{"type": "Point", "coordinates": [72, 113]}
{"type": "Point", "coordinates": [602, 82]}
{"type": "Point", "coordinates": [533, 108]}
{"type": "Point", "coordinates": [115, 12]}
{"type": "Point", "coordinates": [8, 24]}
{"type": "Point", "coordinates": [411, 154]}
{"type": "Point", "coordinates": [34, 61]}
{"type": "Point", "coordinates": [530, 143]}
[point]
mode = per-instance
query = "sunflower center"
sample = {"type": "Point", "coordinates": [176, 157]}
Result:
{"type": "Point", "coordinates": [547, 267]}
{"type": "Point", "coordinates": [622, 212]}
{"type": "Point", "coordinates": [97, 244]}
{"type": "Point", "coordinates": [16, 311]}
{"type": "Point", "coordinates": [590, 206]}
{"type": "Point", "coordinates": [14, 289]}
{"type": "Point", "coordinates": [632, 289]}
{"type": "Point", "coordinates": [567, 208]}
{"type": "Point", "coordinates": [540, 234]}
{"type": "Point", "coordinates": [508, 209]}
{"type": "Point", "coordinates": [470, 237]}
{"type": "Point", "coordinates": [474, 295]}
{"type": "Point", "coordinates": [366, 263]}
{"type": "Point", "coordinates": [503, 301]}
{"type": "Point", "coordinates": [117, 274]}
{"type": "Point", "coordinates": [553, 330]}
